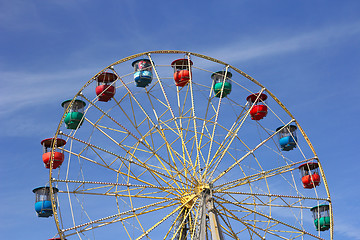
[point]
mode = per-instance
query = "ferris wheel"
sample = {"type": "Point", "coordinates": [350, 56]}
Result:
{"type": "Point", "coordinates": [178, 145]}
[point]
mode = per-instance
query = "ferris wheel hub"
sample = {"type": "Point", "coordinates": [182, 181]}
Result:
{"type": "Point", "coordinates": [201, 187]}
{"type": "Point", "coordinates": [188, 200]}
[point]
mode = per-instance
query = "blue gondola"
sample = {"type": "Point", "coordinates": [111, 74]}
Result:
{"type": "Point", "coordinates": [143, 72]}
{"type": "Point", "coordinates": [287, 137]}
{"type": "Point", "coordinates": [43, 201]}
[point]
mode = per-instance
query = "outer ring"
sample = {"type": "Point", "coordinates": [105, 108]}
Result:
{"type": "Point", "coordinates": [56, 218]}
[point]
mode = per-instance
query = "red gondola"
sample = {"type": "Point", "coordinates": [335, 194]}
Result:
{"type": "Point", "coordinates": [182, 71]}
{"type": "Point", "coordinates": [259, 110]}
{"type": "Point", "coordinates": [309, 174]}
{"type": "Point", "coordinates": [58, 155]}
{"type": "Point", "coordinates": [105, 89]}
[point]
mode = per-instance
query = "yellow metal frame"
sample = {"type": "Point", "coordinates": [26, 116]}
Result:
{"type": "Point", "coordinates": [168, 155]}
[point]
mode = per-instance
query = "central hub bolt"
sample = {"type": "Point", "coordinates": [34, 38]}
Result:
{"type": "Point", "coordinates": [188, 200]}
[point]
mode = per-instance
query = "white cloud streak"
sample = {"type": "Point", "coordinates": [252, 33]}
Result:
{"type": "Point", "coordinates": [325, 37]}
{"type": "Point", "coordinates": [346, 229]}
{"type": "Point", "coordinates": [28, 89]}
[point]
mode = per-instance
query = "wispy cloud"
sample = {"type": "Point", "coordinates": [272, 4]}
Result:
{"type": "Point", "coordinates": [29, 89]}
{"type": "Point", "coordinates": [347, 229]}
{"type": "Point", "coordinates": [26, 100]}
{"type": "Point", "coordinates": [282, 43]}
{"type": "Point", "coordinates": [19, 15]}
{"type": "Point", "coordinates": [22, 15]}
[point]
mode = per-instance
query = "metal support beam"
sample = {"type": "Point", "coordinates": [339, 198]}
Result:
{"type": "Point", "coordinates": [202, 216]}
{"type": "Point", "coordinates": [215, 228]}
{"type": "Point", "coordinates": [183, 224]}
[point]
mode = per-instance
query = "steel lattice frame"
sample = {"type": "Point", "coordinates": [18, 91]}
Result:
{"type": "Point", "coordinates": [142, 161]}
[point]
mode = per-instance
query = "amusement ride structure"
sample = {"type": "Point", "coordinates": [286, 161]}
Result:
{"type": "Point", "coordinates": [177, 145]}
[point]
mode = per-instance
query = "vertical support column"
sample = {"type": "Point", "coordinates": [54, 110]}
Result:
{"type": "Point", "coordinates": [202, 216]}
{"type": "Point", "coordinates": [183, 224]}
{"type": "Point", "coordinates": [213, 218]}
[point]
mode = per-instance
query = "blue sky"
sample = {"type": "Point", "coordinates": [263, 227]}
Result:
{"type": "Point", "coordinates": [305, 52]}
